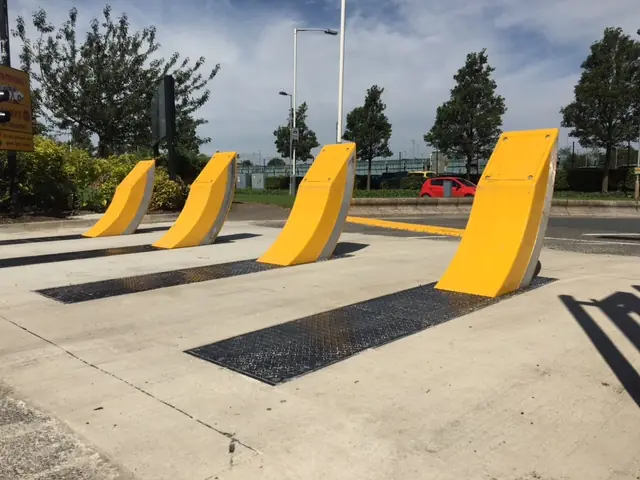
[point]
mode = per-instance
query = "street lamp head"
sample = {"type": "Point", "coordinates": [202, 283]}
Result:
{"type": "Point", "coordinates": [330, 31]}
{"type": "Point", "coordinates": [284, 94]}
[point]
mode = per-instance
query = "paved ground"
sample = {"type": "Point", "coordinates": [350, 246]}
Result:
{"type": "Point", "coordinates": [517, 391]}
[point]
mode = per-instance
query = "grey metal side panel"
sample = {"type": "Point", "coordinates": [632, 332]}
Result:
{"type": "Point", "coordinates": [328, 249]}
{"type": "Point", "coordinates": [226, 205]}
{"type": "Point", "coordinates": [144, 205]}
{"type": "Point", "coordinates": [542, 229]}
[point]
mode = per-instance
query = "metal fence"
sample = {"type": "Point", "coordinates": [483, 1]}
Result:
{"type": "Point", "coordinates": [571, 158]}
{"type": "Point", "coordinates": [439, 165]}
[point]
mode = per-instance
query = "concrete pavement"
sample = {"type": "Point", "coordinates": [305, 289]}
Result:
{"type": "Point", "coordinates": [516, 391]}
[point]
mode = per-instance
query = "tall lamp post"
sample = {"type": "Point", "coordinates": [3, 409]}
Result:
{"type": "Point", "coordinates": [291, 115]}
{"type": "Point", "coordinates": [636, 193]}
{"type": "Point", "coordinates": [326, 31]}
{"type": "Point", "coordinates": [343, 26]}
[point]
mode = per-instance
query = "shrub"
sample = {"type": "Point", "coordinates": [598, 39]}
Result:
{"type": "Point", "coordinates": [277, 183]}
{"type": "Point", "coordinates": [412, 183]}
{"type": "Point", "coordinates": [562, 180]}
{"type": "Point", "coordinates": [44, 184]}
{"type": "Point", "coordinates": [168, 195]}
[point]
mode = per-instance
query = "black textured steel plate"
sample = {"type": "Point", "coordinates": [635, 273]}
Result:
{"type": "Point", "coordinates": [152, 281]}
{"type": "Point", "coordinates": [56, 238]}
{"type": "Point", "coordinates": [280, 353]}
{"type": "Point", "coordinates": [141, 283]}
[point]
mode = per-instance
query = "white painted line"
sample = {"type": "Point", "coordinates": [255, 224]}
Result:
{"type": "Point", "coordinates": [609, 234]}
{"type": "Point", "coordinates": [591, 242]}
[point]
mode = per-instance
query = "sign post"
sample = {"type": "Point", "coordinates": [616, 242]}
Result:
{"type": "Point", "coordinates": [17, 133]}
{"type": "Point", "coordinates": [163, 121]}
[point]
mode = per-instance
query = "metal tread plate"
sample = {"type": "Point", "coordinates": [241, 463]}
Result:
{"type": "Point", "coordinates": [152, 281]}
{"type": "Point", "coordinates": [141, 283]}
{"type": "Point", "coordinates": [286, 351]}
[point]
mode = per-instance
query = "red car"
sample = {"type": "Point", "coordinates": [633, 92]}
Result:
{"type": "Point", "coordinates": [434, 187]}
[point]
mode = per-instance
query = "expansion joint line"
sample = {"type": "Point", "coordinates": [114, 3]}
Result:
{"type": "Point", "coordinates": [229, 435]}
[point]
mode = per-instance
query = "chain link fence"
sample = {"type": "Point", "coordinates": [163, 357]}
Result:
{"type": "Point", "coordinates": [272, 166]}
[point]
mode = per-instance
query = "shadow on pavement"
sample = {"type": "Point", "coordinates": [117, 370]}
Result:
{"type": "Point", "coordinates": [627, 238]}
{"type": "Point", "coordinates": [345, 248]}
{"type": "Point", "coordinates": [56, 238]}
{"type": "Point", "coordinates": [619, 308]}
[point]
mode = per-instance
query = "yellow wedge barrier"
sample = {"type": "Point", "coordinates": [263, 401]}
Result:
{"type": "Point", "coordinates": [129, 204]}
{"type": "Point", "coordinates": [207, 205]}
{"type": "Point", "coordinates": [407, 227]}
{"type": "Point", "coordinates": [501, 244]}
{"type": "Point", "coordinates": [319, 211]}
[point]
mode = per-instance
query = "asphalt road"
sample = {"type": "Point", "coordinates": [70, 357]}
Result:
{"type": "Point", "coordinates": [603, 236]}
{"type": "Point", "coordinates": [594, 235]}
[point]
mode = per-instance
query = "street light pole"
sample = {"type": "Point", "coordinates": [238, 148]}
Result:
{"type": "Point", "coordinates": [343, 21]}
{"type": "Point", "coordinates": [636, 193]}
{"type": "Point", "coordinates": [291, 120]}
{"type": "Point", "coordinates": [294, 105]}
{"type": "Point", "coordinates": [326, 31]}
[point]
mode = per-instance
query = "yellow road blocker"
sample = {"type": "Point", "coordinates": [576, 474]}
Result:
{"type": "Point", "coordinates": [207, 205]}
{"type": "Point", "coordinates": [320, 209]}
{"type": "Point", "coordinates": [501, 244]}
{"type": "Point", "coordinates": [129, 204]}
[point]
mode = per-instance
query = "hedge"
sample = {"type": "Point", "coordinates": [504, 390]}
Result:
{"type": "Point", "coordinates": [56, 179]}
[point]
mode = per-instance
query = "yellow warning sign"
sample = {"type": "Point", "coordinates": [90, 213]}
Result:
{"type": "Point", "coordinates": [16, 134]}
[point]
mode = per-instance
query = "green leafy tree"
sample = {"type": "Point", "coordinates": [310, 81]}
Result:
{"type": "Point", "coordinates": [276, 162]}
{"type": "Point", "coordinates": [606, 109]}
{"type": "Point", "coordinates": [102, 86]}
{"type": "Point", "coordinates": [370, 129]}
{"type": "Point", "coordinates": [245, 163]}
{"type": "Point", "coordinates": [307, 139]}
{"type": "Point", "coordinates": [468, 125]}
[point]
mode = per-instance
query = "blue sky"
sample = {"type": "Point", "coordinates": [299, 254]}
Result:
{"type": "Point", "coordinates": [410, 47]}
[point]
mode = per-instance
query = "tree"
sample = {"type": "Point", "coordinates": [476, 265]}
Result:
{"type": "Point", "coordinates": [104, 85]}
{"type": "Point", "coordinates": [370, 129]}
{"type": "Point", "coordinates": [276, 162]}
{"type": "Point", "coordinates": [468, 124]}
{"type": "Point", "coordinates": [307, 140]}
{"type": "Point", "coordinates": [605, 113]}
{"type": "Point", "coordinates": [245, 163]}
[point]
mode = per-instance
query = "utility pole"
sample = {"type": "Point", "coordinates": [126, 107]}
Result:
{"type": "Point", "coordinates": [5, 52]}
{"type": "Point", "coordinates": [636, 193]}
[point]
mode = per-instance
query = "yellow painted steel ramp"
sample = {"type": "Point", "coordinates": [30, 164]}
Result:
{"type": "Point", "coordinates": [501, 244]}
{"type": "Point", "coordinates": [129, 204]}
{"type": "Point", "coordinates": [207, 205]}
{"type": "Point", "coordinates": [320, 209]}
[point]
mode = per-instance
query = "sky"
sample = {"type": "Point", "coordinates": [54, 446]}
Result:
{"type": "Point", "coordinates": [412, 48]}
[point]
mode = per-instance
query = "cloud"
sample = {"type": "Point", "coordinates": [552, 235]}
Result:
{"type": "Point", "coordinates": [410, 47]}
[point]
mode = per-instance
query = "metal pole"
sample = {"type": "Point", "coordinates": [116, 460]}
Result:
{"type": "Point", "coordinates": [343, 21]}
{"type": "Point", "coordinates": [290, 135]}
{"type": "Point", "coordinates": [12, 158]}
{"type": "Point", "coordinates": [292, 184]}
{"type": "Point", "coordinates": [636, 193]}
